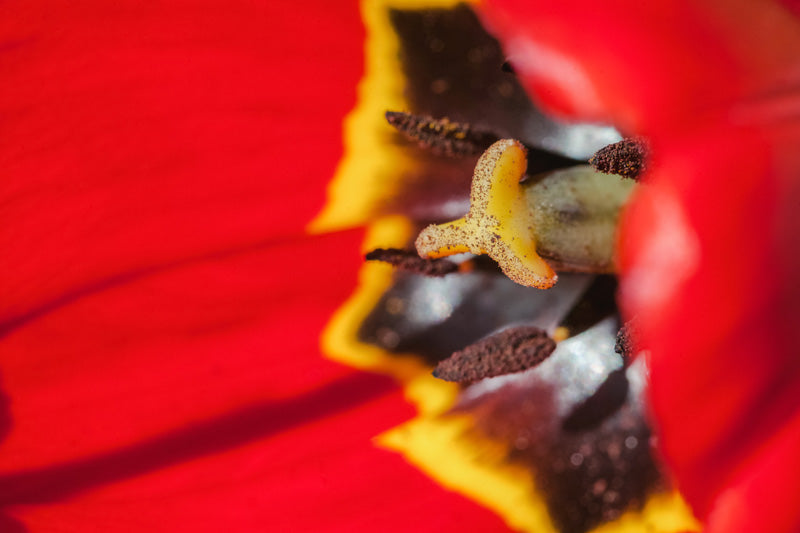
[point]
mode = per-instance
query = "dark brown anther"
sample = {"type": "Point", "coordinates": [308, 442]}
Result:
{"type": "Point", "coordinates": [411, 262]}
{"type": "Point", "coordinates": [625, 344]}
{"type": "Point", "coordinates": [628, 158]}
{"type": "Point", "coordinates": [508, 67]}
{"type": "Point", "coordinates": [511, 350]}
{"type": "Point", "coordinates": [441, 136]}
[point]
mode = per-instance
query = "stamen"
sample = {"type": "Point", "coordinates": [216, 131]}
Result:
{"type": "Point", "coordinates": [411, 262]}
{"type": "Point", "coordinates": [442, 136]}
{"type": "Point", "coordinates": [627, 158]}
{"type": "Point", "coordinates": [508, 67]}
{"type": "Point", "coordinates": [511, 350]}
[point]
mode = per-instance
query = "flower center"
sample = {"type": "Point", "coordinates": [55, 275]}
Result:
{"type": "Point", "coordinates": [565, 447]}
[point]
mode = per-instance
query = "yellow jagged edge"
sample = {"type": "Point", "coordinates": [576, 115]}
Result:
{"type": "Point", "coordinates": [340, 337]}
{"type": "Point", "coordinates": [365, 131]}
{"type": "Point", "coordinates": [354, 191]}
{"type": "Point", "coordinates": [434, 443]}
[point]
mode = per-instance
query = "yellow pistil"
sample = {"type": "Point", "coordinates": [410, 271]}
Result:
{"type": "Point", "coordinates": [498, 223]}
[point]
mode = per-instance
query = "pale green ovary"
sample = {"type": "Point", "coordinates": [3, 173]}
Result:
{"type": "Point", "coordinates": [574, 215]}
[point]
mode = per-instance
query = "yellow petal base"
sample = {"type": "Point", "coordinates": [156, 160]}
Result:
{"type": "Point", "coordinates": [431, 441]}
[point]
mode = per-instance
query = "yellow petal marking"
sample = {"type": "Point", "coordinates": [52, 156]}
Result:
{"type": "Point", "coordinates": [373, 169]}
{"type": "Point", "coordinates": [433, 442]}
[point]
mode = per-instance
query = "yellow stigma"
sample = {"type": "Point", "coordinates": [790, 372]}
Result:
{"type": "Point", "coordinates": [499, 222]}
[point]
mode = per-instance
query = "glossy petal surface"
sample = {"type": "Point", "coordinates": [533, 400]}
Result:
{"type": "Point", "coordinates": [160, 301]}
{"type": "Point", "coordinates": [708, 253]}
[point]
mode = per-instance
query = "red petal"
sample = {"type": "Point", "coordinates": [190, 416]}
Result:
{"type": "Point", "coordinates": [645, 67]}
{"type": "Point", "coordinates": [709, 253]}
{"type": "Point", "coordinates": [148, 136]}
{"type": "Point", "coordinates": [160, 305]}
{"type": "Point", "coordinates": [723, 332]}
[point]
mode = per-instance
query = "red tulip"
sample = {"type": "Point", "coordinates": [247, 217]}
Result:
{"type": "Point", "coordinates": [709, 254]}
{"type": "Point", "coordinates": [161, 302]}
